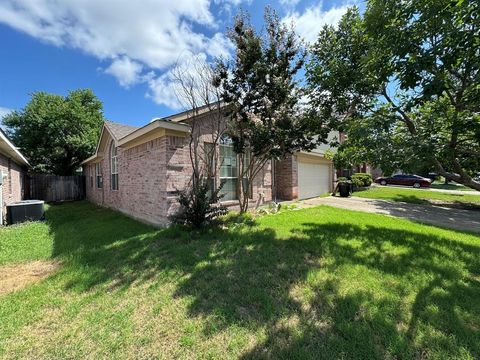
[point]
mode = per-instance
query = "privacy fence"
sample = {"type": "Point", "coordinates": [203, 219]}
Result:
{"type": "Point", "coordinates": [52, 188]}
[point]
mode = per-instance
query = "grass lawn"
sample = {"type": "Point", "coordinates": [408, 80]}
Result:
{"type": "Point", "coordinates": [420, 196]}
{"type": "Point", "coordinates": [313, 283]}
{"type": "Point", "coordinates": [451, 186]}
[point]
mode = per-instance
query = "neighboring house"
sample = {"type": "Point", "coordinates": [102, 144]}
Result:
{"type": "Point", "coordinates": [140, 170]}
{"type": "Point", "coordinates": [12, 172]}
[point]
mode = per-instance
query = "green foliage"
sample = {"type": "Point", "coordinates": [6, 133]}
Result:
{"type": "Point", "coordinates": [199, 206]}
{"type": "Point", "coordinates": [405, 79]}
{"type": "Point", "coordinates": [261, 87]}
{"type": "Point", "coordinates": [362, 179]}
{"type": "Point", "coordinates": [57, 133]}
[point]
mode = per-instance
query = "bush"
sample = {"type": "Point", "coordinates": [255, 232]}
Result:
{"type": "Point", "coordinates": [362, 179]}
{"type": "Point", "coordinates": [198, 205]}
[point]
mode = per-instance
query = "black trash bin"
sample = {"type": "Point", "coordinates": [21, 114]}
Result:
{"type": "Point", "coordinates": [345, 189]}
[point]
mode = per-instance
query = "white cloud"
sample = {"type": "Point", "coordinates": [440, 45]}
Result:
{"type": "Point", "coordinates": [166, 90]}
{"type": "Point", "coordinates": [125, 70]}
{"type": "Point", "coordinates": [311, 21]}
{"type": "Point", "coordinates": [3, 111]}
{"type": "Point", "coordinates": [289, 3]}
{"type": "Point", "coordinates": [134, 36]}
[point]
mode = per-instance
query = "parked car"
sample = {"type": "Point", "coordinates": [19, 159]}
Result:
{"type": "Point", "coordinates": [406, 180]}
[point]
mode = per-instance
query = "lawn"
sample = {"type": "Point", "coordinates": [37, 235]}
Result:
{"type": "Point", "coordinates": [421, 196]}
{"type": "Point", "coordinates": [314, 283]}
{"type": "Point", "coordinates": [450, 186]}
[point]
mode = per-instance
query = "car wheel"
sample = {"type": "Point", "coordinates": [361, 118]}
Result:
{"type": "Point", "coordinates": [416, 185]}
{"type": "Point", "coordinates": [383, 182]}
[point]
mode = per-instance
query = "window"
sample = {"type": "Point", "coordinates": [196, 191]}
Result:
{"type": "Point", "coordinates": [113, 167]}
{"type": "Point", "coordinates": [90, 173]}
{"type": "Point", "coordinates": [98, 175]}
{"type": "Point", "coordinates": [228, 169]}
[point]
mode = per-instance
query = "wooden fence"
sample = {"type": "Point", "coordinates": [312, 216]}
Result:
{"type": "Point", "coordinates": [51, 188]}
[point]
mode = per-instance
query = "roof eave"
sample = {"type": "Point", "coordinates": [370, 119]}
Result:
{"type": "Point", "coordinates": [13, 151]}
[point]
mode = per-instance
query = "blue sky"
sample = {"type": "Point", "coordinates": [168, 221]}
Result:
{"type": "Point", "coordinates": [123, 50]}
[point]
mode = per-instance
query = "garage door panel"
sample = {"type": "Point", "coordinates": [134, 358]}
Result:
{"type": "Point", "coordinates": [313, 179]}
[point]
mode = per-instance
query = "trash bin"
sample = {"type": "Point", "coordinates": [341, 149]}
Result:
{"type": "Point", "coordinates": [345, 189]}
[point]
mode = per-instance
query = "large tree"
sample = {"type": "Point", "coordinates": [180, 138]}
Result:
{"type": "Point", "coordinates": [57, 133]}
{"type": "Point", "coordinates": [260, 87]}
{"type": "Point", "coordinates": [402, 80]}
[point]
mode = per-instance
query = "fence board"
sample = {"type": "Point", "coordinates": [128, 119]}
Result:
{"type": "Point", "coordinates": [51, 188]}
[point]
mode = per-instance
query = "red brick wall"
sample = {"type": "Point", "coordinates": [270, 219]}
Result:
{"type": "Point", "coordinates": [286, 175]}
{"type": "Point", "coordinates": [13, 184]}
{"type": "Point", "coordinates": [150, 175]}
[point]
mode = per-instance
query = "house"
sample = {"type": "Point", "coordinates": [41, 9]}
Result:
{"type": "Point", "coordinates": [139, 170]}
{"type": "Point", "coordinates": [12, 174]}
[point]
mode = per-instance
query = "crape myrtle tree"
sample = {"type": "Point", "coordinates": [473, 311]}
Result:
{"type": "Point", "coordinates": [404, 77]}
{"type": "Point", "coordinates": [193, 85]}
{"type": "Point", "coordinates": [259, 84]}
{"type": "Point", "coordinates": [56, 133]}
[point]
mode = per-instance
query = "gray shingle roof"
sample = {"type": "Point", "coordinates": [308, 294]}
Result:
{"type": "Point", "coordinates": [119, 130]}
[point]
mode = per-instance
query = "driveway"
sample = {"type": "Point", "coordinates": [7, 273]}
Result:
{"type": "Point", "coordinates": [436, 215]}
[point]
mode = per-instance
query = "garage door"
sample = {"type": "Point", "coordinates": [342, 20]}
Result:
{"type": "Point", "coordinates": [313, 179]}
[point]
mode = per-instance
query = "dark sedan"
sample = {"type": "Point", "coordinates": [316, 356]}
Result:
{"type": "Point", "coordinates": [405, 180]}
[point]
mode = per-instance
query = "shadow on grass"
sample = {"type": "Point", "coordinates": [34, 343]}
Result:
{"type": "Point", "coordinates": [250, 278]}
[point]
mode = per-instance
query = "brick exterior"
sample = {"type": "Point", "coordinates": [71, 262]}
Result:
{"type": "Point", "coordinates": [286, 176]}
{"type": "Point", "coordinates": [150, 175]}
{"type": "Point", "coordinates": [13, 186]}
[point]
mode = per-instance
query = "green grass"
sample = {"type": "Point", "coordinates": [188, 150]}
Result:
{"type": "Point", "coordinates": [313, 283]}
{"type": "Point", "coordinates": [420, 196]}
{"type": "Point", "coordinates": [451, 186]}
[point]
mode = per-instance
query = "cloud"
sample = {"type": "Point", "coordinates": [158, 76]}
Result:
{"type": "Point", "coordinates": [125, 70]}
{"type": "Point", "coordinates": [192, 70]}
{"type": "Point", "coordinates": [133, 36]}
{"type": "Point", "coordinates": [289, 3]}
{"type": "Point", "coordinates": [311, 21]}
{"type": "Point", "coordinates": [3, 111]}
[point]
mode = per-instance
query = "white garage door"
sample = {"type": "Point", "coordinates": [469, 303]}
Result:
{"type": "Point", "coordinates": [313, 179]}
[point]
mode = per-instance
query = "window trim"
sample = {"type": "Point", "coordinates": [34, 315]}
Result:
{"type": "Point", "coordinates": [98, 175]}
{"type": "Point", "coordinates": [113, 167]}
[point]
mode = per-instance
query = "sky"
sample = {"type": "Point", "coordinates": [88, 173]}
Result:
{"type": "Point", "coordinates": [125, 50]}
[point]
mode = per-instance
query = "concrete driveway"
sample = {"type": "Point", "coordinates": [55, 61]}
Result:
{"type": "Point", "coordinates": [436, 215]}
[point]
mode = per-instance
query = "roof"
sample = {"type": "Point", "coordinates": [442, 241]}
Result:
{"type": "Point", "coordinates": [9, 150]}
{"type": "Point", "coordinates": [126, 135]}
{"type": "Point", "coordinates": [119, 130]}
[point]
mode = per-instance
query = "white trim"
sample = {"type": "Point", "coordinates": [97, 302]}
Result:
{"type": "Point", "coordinates": [13, 153]}
{"type": "Point", "coordinates": [156, 124]}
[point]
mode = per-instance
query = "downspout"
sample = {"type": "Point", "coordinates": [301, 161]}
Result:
{"type": "Point", "coordinates": [2, 176]}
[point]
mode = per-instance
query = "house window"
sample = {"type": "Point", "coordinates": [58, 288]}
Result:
{"type": "Point", "coordinates": [90, 173]}
{"type": "Point", "coordinates": [98, 175]}
{"type": "Point", "coordinates": [228, 169]}
{"type": "Point", "coordinates": [113, 167]}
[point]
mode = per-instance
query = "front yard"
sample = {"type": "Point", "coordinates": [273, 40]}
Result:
{"type": "Point", "coordinates": [421, 196]}
{"type": "Point", "coordinates": [313, 283]}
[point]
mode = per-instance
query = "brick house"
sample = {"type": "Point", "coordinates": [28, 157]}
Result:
{"type": "Point", "coordinates": [138, 171]}
{"type": "Point", "coordinates": [12, 174]}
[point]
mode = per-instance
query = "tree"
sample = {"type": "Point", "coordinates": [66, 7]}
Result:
{"type": "Point", "coordinates": [57, 133]}
{"type": "Point", "coordinates": [194, 89]}
{"type": "Point", "coordinates": [403, 82]}
{"type": "Point", "coordinates": [260, 86]}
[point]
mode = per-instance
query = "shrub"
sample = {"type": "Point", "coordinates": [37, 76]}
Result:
{"type": "Point", "coordinates": [362, 179]}
{"type": "Point", "coordinates": [198, 205]}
